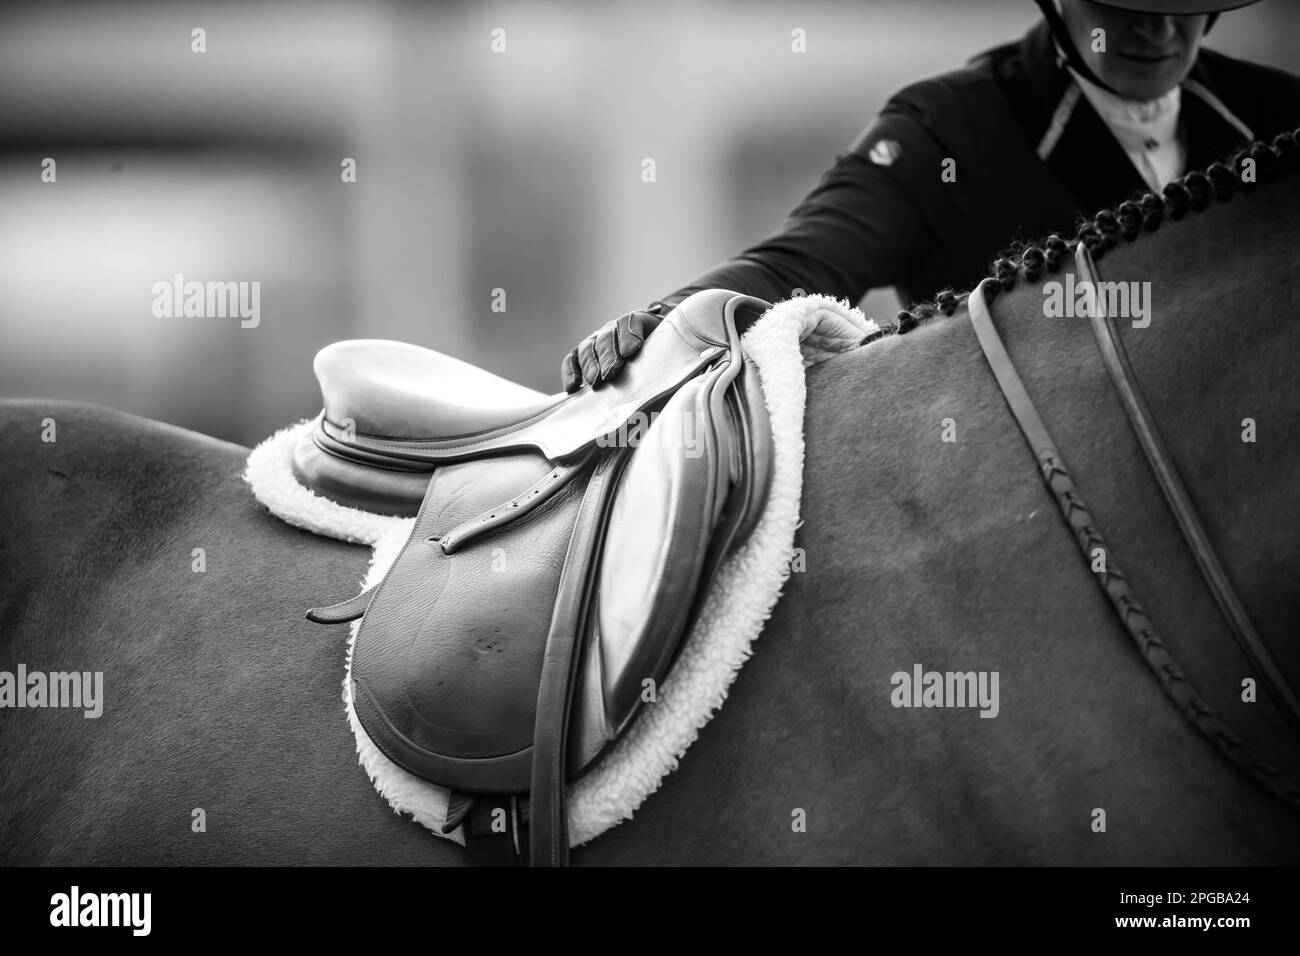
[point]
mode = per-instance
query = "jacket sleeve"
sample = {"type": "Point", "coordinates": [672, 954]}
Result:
{"type": "Point", "coordinates": [854, 232]}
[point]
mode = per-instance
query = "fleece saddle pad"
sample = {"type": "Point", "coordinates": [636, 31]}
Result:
{"type": "Point", "coordinates": [791, 336]}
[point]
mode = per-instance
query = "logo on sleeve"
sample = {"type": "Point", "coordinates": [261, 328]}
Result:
{"type": "Point", "coordinates": [885, 152]}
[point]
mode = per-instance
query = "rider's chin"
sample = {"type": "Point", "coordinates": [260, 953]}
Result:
{"type": "Point", "coordinates": [1149, 58]}
{"type": "Point", "coordinates": [1146, 65]}
{"type": "Point", "coordinates": [1138, 81]}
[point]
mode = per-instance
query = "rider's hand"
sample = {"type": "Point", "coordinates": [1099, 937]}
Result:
{"type": "Point", "coordinates": [603, 353]}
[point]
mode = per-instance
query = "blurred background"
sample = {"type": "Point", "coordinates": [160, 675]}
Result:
{"type": "Point", "coordinates": [475, 171]}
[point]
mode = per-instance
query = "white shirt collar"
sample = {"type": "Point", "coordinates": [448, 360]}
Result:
{"type": "Point", "coordinates": [1147, 131]}
{"type": "Point", "coordinates": [1156, 115]}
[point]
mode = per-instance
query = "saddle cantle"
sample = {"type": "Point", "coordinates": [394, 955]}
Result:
{"type": "Point", "coordinates": [560, 549]}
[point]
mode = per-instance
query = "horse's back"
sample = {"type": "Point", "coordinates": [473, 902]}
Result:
{"type": "Point", "coordinates": [134, 549]}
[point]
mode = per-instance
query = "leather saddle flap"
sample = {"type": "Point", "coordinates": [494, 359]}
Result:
{"type": "Point", "coordinates": [447, 661]}
{"type": "Point", "coordinates": [449, 656]}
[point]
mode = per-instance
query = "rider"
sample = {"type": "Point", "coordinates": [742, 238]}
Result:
{"type": "Point", "coordinates": [1099, 101]}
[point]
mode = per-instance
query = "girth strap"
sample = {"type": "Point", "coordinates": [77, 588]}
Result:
{"type": "Point", "coordinates": [1180, 503]}
{"type": "Point", "coordinates": [494, 831]}
{"type": "Point", "coordinates": [548, 824]}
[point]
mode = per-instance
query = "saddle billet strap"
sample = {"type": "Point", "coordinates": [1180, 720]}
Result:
{"type": "Point", "coordinates": [344, 611]}
{"type": "Point", "coordinates": [1175, 493]}
{"type": "Point", "coordinates": [548, 817]}
{"type": "Point", "coordinates": [1112, 581]}
{"type": "Point", "coordinates": [511, 510]}
{"type": "Point", "coordinates": [463, 534]}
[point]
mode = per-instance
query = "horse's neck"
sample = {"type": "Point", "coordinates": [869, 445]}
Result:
{"type": "Point", "coordinates": [1216, 360]}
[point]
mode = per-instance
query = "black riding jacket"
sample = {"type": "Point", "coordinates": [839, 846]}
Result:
{"type": "Point", "coordinates": [883, 216]}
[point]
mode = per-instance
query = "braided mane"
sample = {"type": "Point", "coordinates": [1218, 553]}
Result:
{"type": "Point", "coordinates": [1193, 192]}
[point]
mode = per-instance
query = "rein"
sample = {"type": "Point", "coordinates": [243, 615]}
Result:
{"type": "Point", "coordinates": [1171, 484]}
{"type": "Point", "coordinates": [1111, 579]}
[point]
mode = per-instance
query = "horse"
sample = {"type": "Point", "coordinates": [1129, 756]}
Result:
{"type": "Point", "coordinates": [927, 543]}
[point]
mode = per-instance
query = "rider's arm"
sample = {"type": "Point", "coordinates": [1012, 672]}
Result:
{"type": "Point", "coordinates": [853, 232]}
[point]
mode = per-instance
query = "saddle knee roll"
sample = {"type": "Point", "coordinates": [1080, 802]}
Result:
{"type": "Point", "coordinates": [660, 553]}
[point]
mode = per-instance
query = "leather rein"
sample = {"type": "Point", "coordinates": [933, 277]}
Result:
{"type": "Point", "coordinates": [1112, 579]}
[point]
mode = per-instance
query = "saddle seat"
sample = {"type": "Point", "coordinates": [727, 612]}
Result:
{"type": "Point", "coordinates": [400, 390]}
{"type": "Point", "coordinates": [561, 547]}
{"type": "Point", "coordinates": [385, 425]}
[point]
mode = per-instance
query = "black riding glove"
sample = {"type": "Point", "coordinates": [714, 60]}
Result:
{"type": "Point", "coordinates": [603, 353]}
